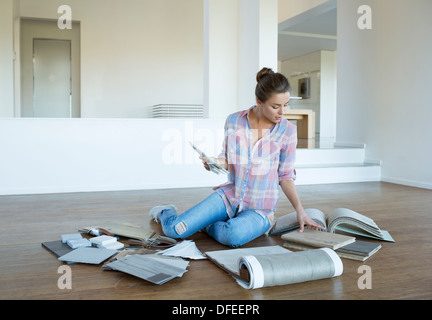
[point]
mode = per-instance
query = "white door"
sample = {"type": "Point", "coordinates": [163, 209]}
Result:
{"type": "Point", "coordinates": [52, 96]}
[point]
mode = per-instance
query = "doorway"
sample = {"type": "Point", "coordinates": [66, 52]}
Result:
{"type": "Point", "coordinates": [50, 70]}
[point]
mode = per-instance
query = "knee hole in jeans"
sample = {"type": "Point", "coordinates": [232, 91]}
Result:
{"type": "Point", "coordinates": [180, 228]}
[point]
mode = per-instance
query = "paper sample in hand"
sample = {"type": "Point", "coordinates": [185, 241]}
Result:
{"type": "Point", "coordinates": [214, 167]}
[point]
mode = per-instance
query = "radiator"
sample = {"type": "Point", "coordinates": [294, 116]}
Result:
{"type": "Point", "coordinates": [177, 111]}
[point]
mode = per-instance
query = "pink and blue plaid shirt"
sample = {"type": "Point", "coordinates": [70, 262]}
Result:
{"type": "Point", "coordinates": [255, 171]}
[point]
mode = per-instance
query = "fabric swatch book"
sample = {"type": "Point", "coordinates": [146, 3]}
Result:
{"type": "Point", "coordinates": [340, 220]}
{"type": "Point", "coordinates": [126, 230]}
{"type": "Point", "coordinates": [260, 267]}
{"type": "Point", "coordinates": [318, 239]}
{"type": "Point", "coordinates": [358, 250]}
{"type": "Point", "coordinates": [154, 268]}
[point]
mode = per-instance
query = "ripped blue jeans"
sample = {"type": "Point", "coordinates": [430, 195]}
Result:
{"type": "Point", "coordinates": [211, 215]}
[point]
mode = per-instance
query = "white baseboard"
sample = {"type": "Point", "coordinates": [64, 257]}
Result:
{"type": "Point", "coordinates": [349, 145]}
{"type": "Point", "coordinates": [410, 183]}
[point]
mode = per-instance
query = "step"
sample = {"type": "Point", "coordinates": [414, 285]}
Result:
{"type": "Point", "coordinates": [329, 156]}
{"type": "Point", "coordinates": [337, 173]}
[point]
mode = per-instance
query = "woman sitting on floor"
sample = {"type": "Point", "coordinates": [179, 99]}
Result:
{"type": "Point", "coordinates": [259, 152]}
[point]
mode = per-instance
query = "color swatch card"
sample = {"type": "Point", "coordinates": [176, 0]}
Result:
{"type": "Point", "coordinates": [89, 255]}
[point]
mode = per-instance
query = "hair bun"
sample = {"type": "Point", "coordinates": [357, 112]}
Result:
{"type": "Point", "coordinates": [270, 83]}
{"type": "Point", "coordinates": [262, 73]}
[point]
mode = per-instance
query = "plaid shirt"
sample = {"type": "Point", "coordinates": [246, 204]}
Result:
{"type": "Point", "coordinates": [255, 171]}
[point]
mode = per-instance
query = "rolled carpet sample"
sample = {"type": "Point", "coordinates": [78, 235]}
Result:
{"type": "Point", "coordinates": [288, 268]}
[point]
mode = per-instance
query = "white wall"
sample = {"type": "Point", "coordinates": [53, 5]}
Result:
{"type": "Point", "coordinates": [384, 78]}
{"type": "Point", "coordinates": [220, 58]}
{"type": "Point", "coordinates": [240, 39]}
{"type": "Point", "coordinates": [79, 155]}
{"type": "Point", "coordinates": [134, 53]}
{"type": "Point", "coordinates": [258, 43]}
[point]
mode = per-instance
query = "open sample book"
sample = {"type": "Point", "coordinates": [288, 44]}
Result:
{"type": "Point", "coordinates": [339, 220]}
{"type": "Point", "coordinates": [260, 267]}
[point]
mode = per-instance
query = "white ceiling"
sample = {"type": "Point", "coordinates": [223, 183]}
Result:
{"type": "Point", "coordinates": [313, 30]}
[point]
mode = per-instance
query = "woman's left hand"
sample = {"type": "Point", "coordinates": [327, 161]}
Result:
{"type": "Point", "coordinates": [305, 220]}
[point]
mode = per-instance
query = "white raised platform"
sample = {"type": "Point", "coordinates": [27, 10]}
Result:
{"type": "Point", "coordinates": [335, 165]}
{"type": "Point", "coordinates": [85, 155]}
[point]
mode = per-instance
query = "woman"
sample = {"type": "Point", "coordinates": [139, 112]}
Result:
{"type": "Point", "coordinates": [259, 152]}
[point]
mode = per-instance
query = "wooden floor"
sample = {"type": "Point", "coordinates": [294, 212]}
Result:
{"type": "Point", "coordinates": [400, 270]}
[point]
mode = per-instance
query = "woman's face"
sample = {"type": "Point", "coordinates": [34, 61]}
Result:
{"type": "Point", "coordinates": [274, 108]}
